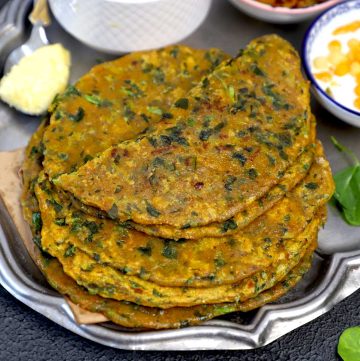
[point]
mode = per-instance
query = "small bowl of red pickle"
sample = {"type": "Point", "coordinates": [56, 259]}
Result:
{"type": "Point", "coordinates": [284, 11]}
{"type": "Point", "coordinates": [331, 57]}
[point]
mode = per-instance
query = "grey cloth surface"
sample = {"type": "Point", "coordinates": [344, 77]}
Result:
{"type": "Point", "coordinates": [28, 336]}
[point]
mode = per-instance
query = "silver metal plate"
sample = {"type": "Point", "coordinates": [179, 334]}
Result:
{"type": "Point", "coordinates": [336, 268]}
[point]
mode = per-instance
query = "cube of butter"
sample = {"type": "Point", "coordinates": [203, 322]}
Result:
{"type": "Point", "coordinates": [31, 85]}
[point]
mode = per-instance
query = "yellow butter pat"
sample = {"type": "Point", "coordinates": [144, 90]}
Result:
{"type": "Point", "coordinates": [31, 85]}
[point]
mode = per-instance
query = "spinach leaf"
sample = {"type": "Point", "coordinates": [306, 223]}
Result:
{"type": "Point", "coordinates": [77, 116]}
{"type": "Point", "coordinates": [96, 100]}
{"type": "Point", "coordinates": [347, 187]}
{"type": "Point", "coordinates": [71, 90]}
{"type": "Point", "coordinates": [349, 344]}
{"type": "Point", "coordinates": [145, 250]}
{"type": "Point", "coordinates": [154, 110]}
{"type": "Point", "coordinates": [229, 224]}
{"type": "Point", "coordinates": [169, 250]}
{"type": "Point", "coordinates": [182, 103]}
{"type": "Point", "coordinates": [347, 193]}
{"type": "Point", "coordinates": [152, 210]}
{"type": "Point", "coordinates": [70, 251]}
{"type": "Point", "coordinates": [36, 221]}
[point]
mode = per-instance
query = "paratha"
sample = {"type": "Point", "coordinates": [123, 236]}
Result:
{"type": "Point", "coordinates": [118, 100]}
{"type": "Point", "coordinates": [248, 257]}
{"type": "Point", "coordinates": [131, 315]}
{"type": "Point", "coordinates": [292, 176]}
{"type": "Point", "coordinates": [244, 124]}
{"type": "Point", "coordinates": [30, 170]}
{"type": "Point", "coordinates": [194, 263]}
{"type": "Point", "coordinates": [111, 283]}
{"type": "Point", "coordinates": [124, 313]}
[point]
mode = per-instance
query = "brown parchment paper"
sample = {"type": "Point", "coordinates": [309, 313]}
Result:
{"type": "Point", "coordinates": [10, 192]}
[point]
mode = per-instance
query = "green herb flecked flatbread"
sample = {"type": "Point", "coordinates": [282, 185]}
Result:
{"type": "Point", "coordinates": [108, 282]}
{"type": "Point", "coordinates": [246, 122]}
{"type": "Point", "coordinates": [238, 129]}
{"type": "Point", "coordinates": [118, 100]}
{"type": "Point", "coordinates": [131, 315]}
{"type": "Point", "coordinates": [287, 181]}
{"type": "Point", "coordinates": [193, 263]}
{"type": "Point", "coordinates": [124, 313]}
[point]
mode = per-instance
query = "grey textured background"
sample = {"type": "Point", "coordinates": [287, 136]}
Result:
{"type": "Point", "coordinates": [27, 336]}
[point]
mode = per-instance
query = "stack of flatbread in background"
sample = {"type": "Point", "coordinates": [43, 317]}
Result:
{"type": "Point", "coordinates": [173, 186]}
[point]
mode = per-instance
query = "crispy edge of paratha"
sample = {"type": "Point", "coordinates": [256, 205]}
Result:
{"type": "Point", "coordinates": [154, 318]}
{"type": "Point", "coordinates": [106, 249]}
{"type": "Point", "coordinates": [109, 283]}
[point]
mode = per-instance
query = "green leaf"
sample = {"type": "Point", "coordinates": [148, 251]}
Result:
{"type": "Point", "coordinates": [256, 70]}
{"type": "Point", "coordinates": [70, 251]}
{"type": "Point", "coordinates": [220, 310]}
{"type": "Point", "coordinates": [152, 210]}
{"type": "Point", "coordinates": [252, 172]}
{"type": "Point", "coordinates": [167, 115]}
{"type": "Point", "coordinates": [229, 224]}
{"type": "Point", "coordinates": [157, 293]}
{"type": "Point", "coordinates": [36, 221]}
{"type": "Point", "coordinates": [132, 89]}
{"type": "Point", "coordinates": [145, 250]}
{"type": "Point", "coordinates": [347, 187]}
{"type": "Point", "coordinates": [174, 52]}
{"type": "Point", "coordinates": [96, 100]}
{"type": "Point", "coordinates": [343, 149]}
{"type": "Point", "coordinates": [71, 90]}
{"type": "Point", "coordinates": [347, 193]}
{"type": "Point", "coordinates": [60, 221]}
{"type": "Point", "coordinates": [154, 110]}
{"type": "Point", "coordinates": [169, 251]}
{"type": "Point", "coordinates": [191, 122]}
{"type": "Point", "coordinates": [77, 116]}
{"type": "Point", "coordinates": [57, 206]}
{"type": "Point", "coordinates": [349, 344]}
{"type": "Point", "coordinates": [311, 185]}
{"type": "Point", "coordinates": [219, 262]}
{"type": "Point", "coordinates": [182, 103]}
{"type": "Point", "coordinates": [231, 91]}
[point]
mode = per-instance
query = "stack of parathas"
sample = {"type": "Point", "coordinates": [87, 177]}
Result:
{"type": "Point", "coordinates": [173, 186]}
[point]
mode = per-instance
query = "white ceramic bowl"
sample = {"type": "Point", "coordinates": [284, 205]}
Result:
{"type": "Point", "coordinates": [314, 39]}
{"type": "Point", "coordinates": [121, 26]}
{"type": "Point", "coordinates": [281, 15]}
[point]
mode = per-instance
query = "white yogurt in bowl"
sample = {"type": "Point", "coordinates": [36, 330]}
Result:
{"type": "Point", "coordinates": [331, 55]}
